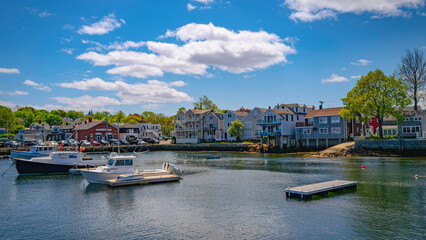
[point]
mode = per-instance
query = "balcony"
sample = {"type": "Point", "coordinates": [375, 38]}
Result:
{"type": "Point", "coordinates": [263, 122]}
{"type": "Point", "coordinates": [302, 124]}
{"type": "Point", "coordinates": [268, 133]}
{"type": "Point", "coordinates": [209, 128]}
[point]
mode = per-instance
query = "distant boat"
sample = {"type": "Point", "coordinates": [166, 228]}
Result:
{"type": "Point", "coordinates": [212, 157]}
{"type": "Point", "coordinates": [35, 151]}
{"type": "Point", "coordinates": [55, 163]}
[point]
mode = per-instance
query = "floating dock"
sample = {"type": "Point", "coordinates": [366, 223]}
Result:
{"type": "Point", "coordinates": [130, 179]}
{"type": "Point", "coordinates": [322, 189]}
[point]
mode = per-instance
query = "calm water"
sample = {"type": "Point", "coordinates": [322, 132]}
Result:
{"type": "Point", "coordinates": [237, 196]}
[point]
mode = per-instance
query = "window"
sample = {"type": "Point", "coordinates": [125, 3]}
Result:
{"type": "Point", "coordinates": [335, 130]}
{"type": "Point", "coordinates": [129, 162]}
{"type": "Point", "coordinates": [417, 119]}
{"type": "Point", "coordinates": [229, 115]}
{"type": "Point", "coordinates": [249, 124]}
{"type": "Point", "coordinates": [211, 117]}
{"type": "Point", "coordinates": [323, 130]}
{"type": "Point", "coordinates": [297, 117]}
{"type": "Point", "coordinates": [306, 131]}
{"type": "Point", "coordinates": [229, 124]}
{"type": "Point", "coordinates": [292, 118]}
{"type": "Point", "coordinates": [335, 119]}
{"type": "Point", "coordinates": [323, 120]}
{"type": "Point", "coordinates": [91, 137]}
{"type": "Point", "coordinates": [111, 161]}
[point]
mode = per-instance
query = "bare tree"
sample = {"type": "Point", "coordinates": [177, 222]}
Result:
{"type": "Point", "coordinates": [412, 71]}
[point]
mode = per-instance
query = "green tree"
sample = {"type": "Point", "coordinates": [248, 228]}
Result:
{"type": "Point", "coordinates": [376, 95]}
{"type": "Point", "coordinates": [25, 114]}
{"type": "Point", "coordinates": [181, 109]}
{"type": "Point", "coordinates": [236, 129]}
{"type": "Point", "coordinates": [412, 71]}
{"type": "Point", "coordinates": [53, 119]}
{"type": "Point", "coordinates": [72, 114]}
{"type": "Point", "coordinates": [99, 116]}
{"type": "Point", "coordinates": [204, 103]}
{"type": "Point", "coordinates": [7, 119]}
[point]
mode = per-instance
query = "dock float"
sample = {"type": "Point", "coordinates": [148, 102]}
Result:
{"type": "Point", "coordinates": [322, 189]}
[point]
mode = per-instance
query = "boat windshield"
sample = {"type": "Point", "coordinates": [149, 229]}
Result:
{"type": "Point", "coordinates": [110, 162]}
{"type": "Point", "coordinates": [127, 162]}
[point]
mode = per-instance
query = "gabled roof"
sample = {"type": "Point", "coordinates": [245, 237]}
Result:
{"type": "Point", "coordinates": [128, 125]}
{"type": "Point", "coordinates": [324, 112]}
{"type": "Point", "coordinates": [219, 115]}
{"type": "Point", "coordinates": [198, 111]}
{"type": "Point", "coordinates": [240, 113]}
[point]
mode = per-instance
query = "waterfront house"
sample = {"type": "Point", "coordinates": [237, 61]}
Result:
{"type": "Point", "coordinates": [278, 125]}
{"type": "Point", "coordinates": [189, 125]}
{"type": "Point", "coordinates": [150, 130]}
{"type": "Point", "coordinates": [250, 123]}
{"type": "Point", "coordinates": [61, 132]}
{"type": "Point", "coordinates": [128, 130]}
{"type": "Point", "coordinates": [41, 130]}
{"type": "Point", "coordinates": [296, 108]}
{"type": "Point", "coordinates": [95, 130]}
{"type": "Point", "coordinates": [325, 127]}
{"type": "Point", "coordinates": [413, 125]}
{"type": "Point", "coordinates": [228, 118]}
{"type": "Point", "coordinates": [26, 135]}
{"type": "Point", "coordinates": [213, 126]}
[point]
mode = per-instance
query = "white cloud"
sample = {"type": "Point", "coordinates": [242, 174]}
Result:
{"type": "Point", "coordinates": [68, 27]}
{"type": "Point", "coordinates": [205, 45]}
{"type": "Point", "coordinates": [152, 106]}
{"type": "Point", "coordinates": [334, 78]}
{"type": "Point", "coordinates": [190, 7]}
{"type": "Point", "coordinates": [9, 70]}
{"type": "Point", "coordinates": [356, 77]}
{"type": "Point", "coordinates": [312, 10]}
{"type": "Point", "coordinates": [67, 50]}
{"type": "Point", "coordinates": [105, 25]}
{"type": "Point", "coordinates": [17, 92]}
{"type": "Point", "coordinates": [45, 14]}
{"type": "Point", "coordinates": [153, 91]}
{"type": "Point", "coordinates": [343, 69]}
{"type": "Point", "coordinates": [361, 62]}
{"type": "Point", "coordinates": [86, 103]}
{"type": "Point", "coordinates": [37, 86]}
{"type": "Point", "coordinates": [114, 46]}
{"type": "Point", "coordinates": [7, 104]}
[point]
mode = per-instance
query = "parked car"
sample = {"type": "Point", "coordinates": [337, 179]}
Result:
{"type": "Point", "coordinates": [113, 141]}
{"type": "Point", "coordinates": [72, 142]}
{"type": "Point", "coordinates": [156, 141]}
{"type": "Point", "coordinates": [13, 144]}
{"type": "Point", "coordinates": [84, 143]}
{"type": "Point", "coordinates": [148, 140]}
{"type": "Point", "coordinates": [52, 143]}
{"type": "Point", "coordinates": [141, 142]}
{"type": "Point", "coordinates": [124, 142]}
{"type": "Point", "coordinates": [95, 143]}
{"type": "Point", "coordinates": [103, 142]}
{"type": "Point", "coordinates": [2, 144]}
{"type": "Point", "coordinates": [132, 140]}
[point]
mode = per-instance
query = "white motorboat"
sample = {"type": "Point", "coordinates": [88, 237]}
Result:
{"type": "Point", "coordinates": [121, 168]}
{"type": "Point", "coordinates": [35, 151]}
{"type": "Point", "coordinates": [56, 163]}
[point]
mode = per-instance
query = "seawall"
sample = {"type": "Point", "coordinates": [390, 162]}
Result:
{"type": "Point", "coordinates": [394, 145]}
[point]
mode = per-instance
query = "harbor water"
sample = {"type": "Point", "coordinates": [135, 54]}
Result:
{"type": "Point", "coordinates": [236, 196]}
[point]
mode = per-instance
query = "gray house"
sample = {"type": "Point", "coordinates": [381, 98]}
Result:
{"type": "Point", "coordinates": [228, 118]}
{"type": "Point", "coordinates": [250, 123]}
{"type": "Point", "coordinates": [213, 126]}
{"type": "Point", "coordinates": [414, 124]}
{"type": "Point", "coordinates": [322, 127]}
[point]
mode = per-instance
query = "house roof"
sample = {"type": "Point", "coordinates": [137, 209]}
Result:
{"type": "Point", "coordinates": [240, 113]}
{"type": "Point", "coordinates": [128, 125]}
{"type": "Point", "coordinates": [90, 125]}
{"type": "Point", "coordinates": [324, 112]}
{"type": "Point", "coordinates": [198, 111]}
{"type": "Point", "coordinates": [219, 115]}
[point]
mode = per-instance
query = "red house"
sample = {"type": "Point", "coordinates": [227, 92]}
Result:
{"type": "Point", "coordinates": [95, 131]}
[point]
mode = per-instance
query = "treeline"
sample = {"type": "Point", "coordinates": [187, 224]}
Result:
{"type": "Point", "coordinates": [23, 117]}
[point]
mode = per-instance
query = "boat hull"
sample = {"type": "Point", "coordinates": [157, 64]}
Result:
{"type": "Point", "coordinates": [98, 177]}
{"type": "Point", "coordinates": [30, 167]}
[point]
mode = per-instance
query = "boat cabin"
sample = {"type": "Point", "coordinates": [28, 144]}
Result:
{"type": "Point", "coordinates": [41, 149]}
{"type": "Point", "coordinates": [64, 157]}
{"type": "Point", "coordinates": [121, 161]}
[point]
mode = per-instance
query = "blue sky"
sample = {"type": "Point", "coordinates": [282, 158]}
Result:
{"type": "Point", "coordinates": [161, 55]}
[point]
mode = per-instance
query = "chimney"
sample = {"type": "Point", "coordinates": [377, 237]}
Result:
{"type": "Point", "coordinates": [320, 106]}
{"type": "Point", "coordinates": [90, 119]}
{"type": "Point", "coordinates": [85, 122]}
{"type": "Point", "coordinates": [269, 107]}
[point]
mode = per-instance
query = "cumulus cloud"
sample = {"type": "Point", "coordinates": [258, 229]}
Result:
{"type": "Point", "coordinates": [361, 62]}
{"type": "Point", "coordinates": [334, 78]}
{"type": "Point", "coordinates": [152, 106]}
{"type": "Point", "coordinates": [204, 46]}
{"type": "Point", "coordinates": [105, 25]}
{"type": "Point", "coordinates": [312, 10]}
{"type": "Point", "coordinates": [37, 86]}
{"type": "Point", "coordinates": [44, 14]}
{"type": "Point", "coordinates": [9, 70]}
{"type": "Point", "coordinates": [114, 46]}
{"type": "Point", "coordinates": [87, 102]}
{"type": "Point", "coordinates": [153, 91]}
{"type": "Point", "coordinates": [17, 92]}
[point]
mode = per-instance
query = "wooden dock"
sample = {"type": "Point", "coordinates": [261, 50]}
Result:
{"type": "Point", "coordinates": [322, 189]}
